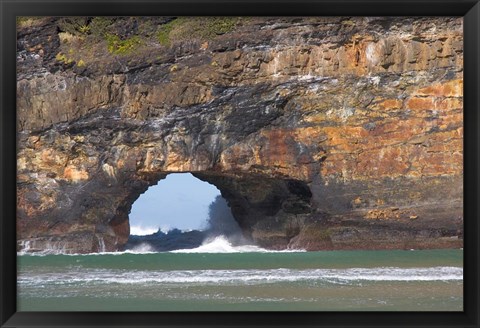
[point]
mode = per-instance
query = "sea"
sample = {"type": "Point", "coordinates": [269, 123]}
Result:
{"type": "Point", "coordinates": [218, 276]}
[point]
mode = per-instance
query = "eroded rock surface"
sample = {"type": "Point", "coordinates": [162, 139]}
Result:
{"type": "Point", "coordinates": [321, 133]}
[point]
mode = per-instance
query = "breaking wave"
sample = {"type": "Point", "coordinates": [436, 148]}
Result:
{"type": "Point", "coordinates": [247, 277]}
{"type": "Point", "coordinates": [220, 244]}
{"type": "Point", "coordinates": [145, 231]}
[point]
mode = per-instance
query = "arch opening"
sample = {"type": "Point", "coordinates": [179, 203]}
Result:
{"type": "Point", "coordinates": [181, 212]}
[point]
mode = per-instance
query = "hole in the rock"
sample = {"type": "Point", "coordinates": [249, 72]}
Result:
{"type": "Point", "coordinates": [181, 212]}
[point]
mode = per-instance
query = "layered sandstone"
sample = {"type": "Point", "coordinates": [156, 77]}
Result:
{"type": "Point", "coordinates": [321, 133]}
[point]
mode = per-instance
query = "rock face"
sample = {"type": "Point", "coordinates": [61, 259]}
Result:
{"type": "Point", "coordinates": [321, 133]}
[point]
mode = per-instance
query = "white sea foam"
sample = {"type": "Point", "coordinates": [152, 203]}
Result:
{"type": "Point", "coordinates": [101, 244]}
{"type": "Point", "coordinates": [141, 249]}
{"type": "Point", "coordinates": [145, 231]}
{"type": "Point", "coordinates": [244, 277]}
{"type": "Point", "coordinates": [220, 244]}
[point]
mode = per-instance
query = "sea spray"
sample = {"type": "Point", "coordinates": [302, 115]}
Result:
{"type": "Point", "coordinates": [24, 247]}
{"type": "Point", "coordinates": [220, 244]}
{"type": "Point", "coordinates": [41, 246]}
{"type": "Point", "coordinates": [101, 244]}
{"type": "Point", "coordinates": [141, 249]}
{"type": "Point", "coordinates": [222, 234]}
{"type": "Point", "coordinates": [144, 231]}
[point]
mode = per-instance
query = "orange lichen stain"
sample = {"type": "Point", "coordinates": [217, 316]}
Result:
{"type": "Point", "coordinates": [454, 116]}
{"type": "Point", "coordinates": [354, 58]}
{"type": "Point", "coordinates": [48, 201]}
{"type": "Point", "coordinates": [74, 174]}
{"type": "Point", "coordinates": [390, 104]}
{"type": "Point", "coordinates": [35, 141]}
{"type": "Point", "coordinates": [441, 163]}
{"type": "Point", "coordinates": [452, 88]}
{"type": "Point", "coordinates": [449, 103]}
{"type": "Point", "coordinates": [256, 156]}
{"type": "Point", "coordinates": [383, 214]}
{"type": "Point", "coordinates": [420, 103]}
{"type": "Point", "coordinates": [204, 45]}
{"type": "Point", "coordinates": [345, 138]}
{"type": "Point", "coordinates": [316, 118]}
{"type": "Point", "coordinates": [177, 162]}
{"type": "Point", "coordinates": [394, 148]}
{"type": "Point", "coordinates": [357, 201]}
{"type": "Point", "coordinates": [49, 160]}
{"type": "Point", "coordinates": [332, 165]}
{"type": "Point", "coordinates": [47, 157]}
{"type": "Point", "coordinates": [387, 161]}
{"type": "Point", "coordinates": [27, 207]}
{"type": "Point", "coordinates": [309, 135]}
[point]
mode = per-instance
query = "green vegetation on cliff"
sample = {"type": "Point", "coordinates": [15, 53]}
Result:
{"type": "Point", "coordinates": [121, 47]}
{"type": "Point", "coordinates": [187, 28]}
{"type": "Point", "coordinates": [74, 25]}
{"type": "Point", "coordinates": [28, 21]}
{"type": "Point", "coordinates": [126, 36]}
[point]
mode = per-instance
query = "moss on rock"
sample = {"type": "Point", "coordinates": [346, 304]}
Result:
{"type": "Point", "coordinates": [188, 28]}
{"type": "Point", "coordinates": [118, 46]}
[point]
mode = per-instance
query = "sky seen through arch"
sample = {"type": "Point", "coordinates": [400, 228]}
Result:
{"type": "Point", "coordinates": [179, 201]}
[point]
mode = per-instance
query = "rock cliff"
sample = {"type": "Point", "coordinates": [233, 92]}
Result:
{"type": "Point", "coordinates": [320, 132]}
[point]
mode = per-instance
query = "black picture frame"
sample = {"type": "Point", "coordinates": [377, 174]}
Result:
{"type": "Point", "coordinates": [469, 9]}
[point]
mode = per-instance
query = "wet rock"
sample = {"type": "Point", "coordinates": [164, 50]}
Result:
{"type": "Point", "coordinates": [314, 129]}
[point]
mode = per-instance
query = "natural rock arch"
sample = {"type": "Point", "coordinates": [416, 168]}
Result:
{"type": "Point", "coordinates": [93, 195]}
{"type": "Point", "coordinates": [318, 140]}
{"type": "Point", "coordinates": [262, 206]}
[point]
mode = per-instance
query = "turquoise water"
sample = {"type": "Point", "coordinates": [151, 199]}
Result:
{"type": "Point", "coordinates": [427, 280]}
